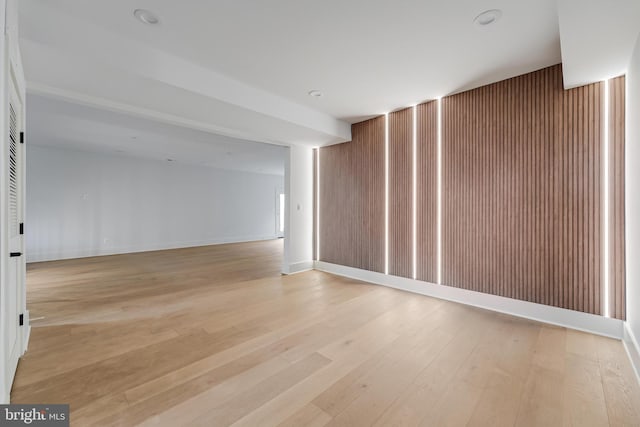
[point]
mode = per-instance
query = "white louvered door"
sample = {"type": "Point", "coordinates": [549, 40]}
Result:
{"type": "Point", "coordinates": [12, 292]}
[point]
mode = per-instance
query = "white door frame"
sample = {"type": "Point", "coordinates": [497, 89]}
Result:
{"type": "Point", "coordinates": [280, 212]}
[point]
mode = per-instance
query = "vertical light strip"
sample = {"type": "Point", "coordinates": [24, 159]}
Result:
{"type": "Point", "coordinates": [605, 181]}
{"type": "Point", "coordinates": [386, 193]}
{"type": "Point", "coordinates": [414, 202]}
{"type": "Point", "coordinates": [439, 192]}
{"type": "Point", "coordinates": [317, 204]}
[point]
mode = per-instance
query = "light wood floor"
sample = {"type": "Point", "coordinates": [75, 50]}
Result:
{"type": "Point", "coordinates": [215, 336]}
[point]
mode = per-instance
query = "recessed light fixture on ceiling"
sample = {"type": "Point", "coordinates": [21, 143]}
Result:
{"type": "Point", "coordinates": [315, 93]}
{"type": "Point", "coordinates": [487, 18]}
{"type": "Point", "coordinates": [145, 16]}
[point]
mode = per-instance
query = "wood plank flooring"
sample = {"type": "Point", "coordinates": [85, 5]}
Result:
{"type": "Point", "coordinates": [215, 336]}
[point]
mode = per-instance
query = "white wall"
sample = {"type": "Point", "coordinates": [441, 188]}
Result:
{"type": "Point", "coordinates": [84, 204]}
{"type": "Point", "coordinates": [632, 167]}
{"type": "Point", "coordinates": [298, 249]}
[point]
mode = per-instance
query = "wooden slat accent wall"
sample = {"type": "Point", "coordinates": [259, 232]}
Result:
{"type": "Point", "coordinates": [617, 300]}
{"type": "Point", "coordinates": [521, 191]}
{"type": "Point", "coordinates": [427, 187]}
{"type": "Point", "coordinates": [401, 193]}
{"type": "Point", "coordinates": [522, 200]}
{"type": "Point", "coordinates": [352, 214]}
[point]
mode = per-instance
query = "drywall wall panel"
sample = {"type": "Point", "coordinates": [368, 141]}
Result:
{"type": "Point", "coordinates": [86, 204]}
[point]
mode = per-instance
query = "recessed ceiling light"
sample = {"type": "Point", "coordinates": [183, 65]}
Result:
{"type": "Point", "coordinates": [145, 16]}
{"type": "Point", "coordinates": [315, 93]}
{"type": "Point", "coordinates": [487, 18]}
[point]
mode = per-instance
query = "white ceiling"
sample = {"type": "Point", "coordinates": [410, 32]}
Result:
{"type": "Point", "coordinates": [57, 123]}
{"type": "Point", "coordinates": [367, 56]}
{"type": "Point", "coordinates": [68, 55]}
{"type": "Point", "coordinates": [597, 38]}
{"type": "Point", "coordinates": [243, 68]}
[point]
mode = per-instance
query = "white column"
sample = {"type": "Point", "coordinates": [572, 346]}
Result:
{"type": "Point", "coordinates": [298, 224]}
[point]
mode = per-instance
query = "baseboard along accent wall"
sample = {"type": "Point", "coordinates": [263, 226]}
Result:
{"type": "Point", "coordinates": [600, 325]}
{"type": "Point", "coordinates": [523, 197]}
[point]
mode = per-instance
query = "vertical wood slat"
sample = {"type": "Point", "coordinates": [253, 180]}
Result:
{"type": "Point", "coordinates": [617, 283]}
{"type": "Point", "coordinates": [401, 193]}
{"type": "Point", "coordinates": [426, 191]}
{"type": "Point", "coordinates": [352, 199]}
{"type": "Point", "coordinates": [521, 198]}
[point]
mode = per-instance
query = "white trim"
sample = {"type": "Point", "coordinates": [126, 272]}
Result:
{"type": "Point", "coordinates": [4, 399]}
{"type": "Point", "coordinates": [633, 349]}
{"type": "Point", "coordinates": [297, 267]}
{"type": "Point", "coordinates": [92, 252]}
{"type": "Point", "coordinates": [586, 322]}
{"type": "Point", "coordinates": [26, 334]}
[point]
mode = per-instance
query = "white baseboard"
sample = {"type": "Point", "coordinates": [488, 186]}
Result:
{"type": "Point", "coordinates": [27, 337]}
{"type": "Point", "coordinates": [633, 349]}
{"type": "Point", "coordinates": [92, 252]}
{"type": "Point", "coordinates": [297, 267]}
{"type": "Point", "coordinates": [542, 313]}
{"type": "Point", "coordinates": [26, 333]}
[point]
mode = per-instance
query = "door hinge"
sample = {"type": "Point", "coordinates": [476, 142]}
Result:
{"type": "Point", "coordinates": [21, 319]}
{"type": "Point", "coordinates": [21, 137]}
{"type": "Point", "coordinates": [14, 254]}
{"type": "Point", "coordinates": [22, 228]}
